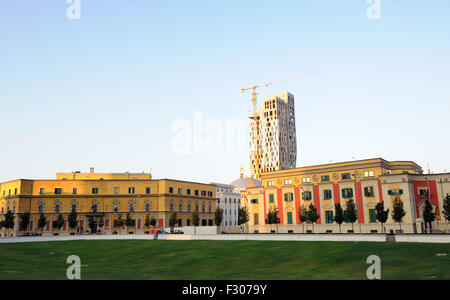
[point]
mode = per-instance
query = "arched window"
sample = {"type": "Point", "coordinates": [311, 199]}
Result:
{"type": "Point", "coordinates": [147, 206]}
{"type": "Point", "coordinates": [116, 206]}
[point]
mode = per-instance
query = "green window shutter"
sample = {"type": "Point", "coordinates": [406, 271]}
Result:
{"type": "Point", "coordinates": [271, 198]}
{"type": "Point", "coordinates": [373, 215]}
{"type": "Point", "coordinates": [401, 192]}
{"type": "Point", "coordinates": [289, 217]}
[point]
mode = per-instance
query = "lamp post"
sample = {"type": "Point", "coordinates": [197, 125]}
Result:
{"type": "Point", "coordinates": [356, 201]}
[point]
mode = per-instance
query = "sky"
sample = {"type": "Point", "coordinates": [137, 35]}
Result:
{"type": "Point", "coordinates": [118, 88]}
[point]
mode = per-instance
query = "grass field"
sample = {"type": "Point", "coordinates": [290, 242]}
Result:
{"type": "Point", "coordinates": [227, 260]}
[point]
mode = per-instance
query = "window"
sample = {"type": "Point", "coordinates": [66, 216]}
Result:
{"type": "Point", "coordinates": [368, 174]}
{"type": "Point", "coordinates": [306, 196]}
{"type": "Point", "coordinates": [41, 191]}
{"type": "Point", "coordinates": [203, 207]}
{"type": "Point", "coordinates": [189, 208]}
{"type": "Point", "coordinates": [372, 215]}
{"type": "Point", "coordinates": [147, 207]}
{"type": "Point", "coordinates": [210, 194]}
{"type": "Point", "coordinates": [271, 198]}
{"type": "Point", "coordinates": [329, 217]}
{"type": "Point", "coordinates": [270, 183]}
{"type": "Point", "coordinates": [423, 192]}
{"type": "Point", "coordinates": [74, 191]}
{"type": "Point", "coordinates": [148, 190]}
{"type": "Point", "coordinates": [117, 190]}
{"type": "Point", "coordinates": [395, 192]}
{"type": "Point", "coordinates": [40, 208]}
{"type": "Point", "coordinates": [196, 192]}
{"type": "Point", "coordinates": [306, 180]}
{"type": "Point", "coordinates": [289, 197]}
{"type": "Point", "coordinates": [188, 191]}
{"type": "Point", "coordinates": [346, 176]}
{"type": "Point", "coordinates": [347, 193]}
{"type": "Point", "coordinates": [15, 191]}
{"type": "Point", "coordinates": [131, 190]}
{"type": "Point", "coordinates": [94, 208]}
{"type": "Point", "coordinates": [254, 201]}
{"type": "Point", "coordinates": [171, 205]}
{"type": "Point", "coordinates": [289, 218]}
{"type": "Point", "coordinates": [58, 191]}
{"type": "Point", "coordinates": [95, 190]}
{"type": "Point", "coordinates": [203, 193]}
{"type": "Point", "coordinates": [180, 206]}
{"type": "Point", "coordinates": [74, 208]}
{"type": "Point", "coordinates": [57, 209]}
{"type": "Point", "coordinates": [368, 191]}
{"type": "Point", "coordinates": [287, 181]}
{"type": "Point", "coordinates": [171, 190]}
{"type": "Point", "coordinates": [180, 191]}
{"type": "Point", "coordinates": [256, 219]}
{"type": "Point", "coordinates": [327, 194]}
{"type": "Point", "coordinates": [325, 178]}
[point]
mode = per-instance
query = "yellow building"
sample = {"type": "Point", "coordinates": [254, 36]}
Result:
{"type": "Point", "coordinates": [366, 182]}
{"type": "Point", "coordinates": [105, 196]}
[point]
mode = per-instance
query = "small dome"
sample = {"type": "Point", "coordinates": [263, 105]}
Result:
{"type": "Point", "coordinates": [245, 182]}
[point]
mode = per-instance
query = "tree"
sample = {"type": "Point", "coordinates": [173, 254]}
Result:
{"type": "Point", "coordinates": [302, 213]}
{"type": "Point", "coordinates": [101, 223]}
{"type": "Point", "coordinates": [195, 220]}
{"type": "Point", "coordinates": [42, 222]}
{"type": "Point", "coordinates": [350, 212]}
{"type": "Point", "coordinates": [273, 217]}
{"type": "Point", "coordinates": [397, 211]}
{"type": "Point", "coordinates": [91, 223]}
{"type": "Point", "coordinates": [8, 223]}
{"type": "Point", "coordinates": [218, 217]}
{"type": "Point", "coordinates": [129, 222]}
{"type": "Point", "coordinates": [118, 223]}
{"type": "Point", "coordinates": [24, 220]}
{"type": "Point", "coordinates": [72, 219]}
{"type": "Point", "coordinates": [153, 221]}
{"type": "Point", "coordinates": [147, 222]}
{"type": "Point", "coordinates": [243, 216]}
{"type": "Point", "coordinates": [312, 215]}
{"type": "Point", "coordinates": [173, 220]}
{"type": "Point", "coordinates": [428, 215]}
{"type": "Point", "coordinates": [59, 223]}
{"type": "Point", "coordinates": [446, 207]}
{"type": "Point", "coordinates": [339, 215]}
{"type": "Point", "coordinates": [381, 214]}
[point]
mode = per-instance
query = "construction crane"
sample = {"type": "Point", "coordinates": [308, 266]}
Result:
{"type": "Point", "coordinates": [255, 113]}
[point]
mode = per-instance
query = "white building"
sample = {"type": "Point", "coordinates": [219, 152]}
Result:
{"type": "Point", "coordinates": [230, 202]}
{"type": "Point", "coordinates": [277, 136]}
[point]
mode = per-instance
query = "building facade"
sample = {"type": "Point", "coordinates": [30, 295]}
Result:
{"type": "Point", "coordinates": [277, 136]}
{"type": "Point", "coordinates": [230, 202]}
{"type": "Point", "coordinates": [106, 196]}
{"type": "Point", "coordinates": [367, 182]}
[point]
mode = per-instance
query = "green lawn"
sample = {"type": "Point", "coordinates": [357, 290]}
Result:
{"type": "Point", "coordinates": [229, 260]}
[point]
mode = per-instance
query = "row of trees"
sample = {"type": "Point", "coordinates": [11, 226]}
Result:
{"type": "Point", "coordinates": [310, 215]}
{"type": "Point", "coordinates": [306, 215]}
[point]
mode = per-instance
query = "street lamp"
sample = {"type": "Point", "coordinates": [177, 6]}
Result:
{"type": "Point", "coordinates": [356, 201]}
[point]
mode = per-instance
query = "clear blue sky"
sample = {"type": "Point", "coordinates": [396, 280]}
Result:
{"type": "Point", "coordinates": [103, 91]}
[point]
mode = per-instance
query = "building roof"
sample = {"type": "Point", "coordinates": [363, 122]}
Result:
{"type": "Point", "coordinates": [245, 182]}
